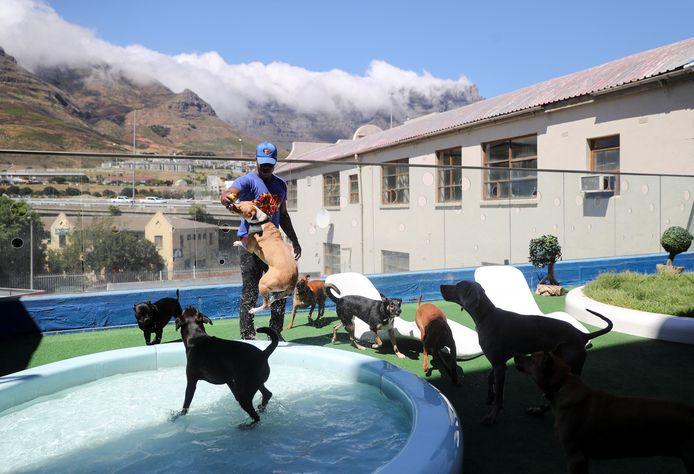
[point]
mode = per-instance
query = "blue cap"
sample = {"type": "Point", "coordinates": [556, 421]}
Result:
{"type": "Point", "coordinates": [266, 154]}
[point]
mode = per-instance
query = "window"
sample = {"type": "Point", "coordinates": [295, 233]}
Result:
{"type": "Point", "coordinates": [292, 201]}
{"type": "Point", "coordinates": [395, 262]}
{"type": "Point", "coordinates": [448, 185]}
{"type": "Point", "coordinates": [354, 189]}
{"type": "Point", "coordinates": [604, 156]}
{"type": "Point", "coordinates": [396, 183]}
{"type": "Point", "coordinates": [158, 241]}
{"type": "Point", "coordinates": [331, 257]}
{"type": "Point", "coordinates": [331, 189]}
{"type": "Point", "coordinates": [512, 166]}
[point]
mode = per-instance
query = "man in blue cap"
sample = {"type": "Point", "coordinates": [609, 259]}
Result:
{"type": "Point", "coordinates": [270, 191]}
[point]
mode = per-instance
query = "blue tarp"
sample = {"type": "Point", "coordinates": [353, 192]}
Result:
{"type": "Point", "coordinates": [47, 313]}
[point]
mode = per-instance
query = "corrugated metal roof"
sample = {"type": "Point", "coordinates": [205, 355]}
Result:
{"type": "Point", "coordinates": [598, 79]}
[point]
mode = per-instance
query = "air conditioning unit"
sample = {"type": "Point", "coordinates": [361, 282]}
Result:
{"type": "Point", "coordinates": [597, 183]}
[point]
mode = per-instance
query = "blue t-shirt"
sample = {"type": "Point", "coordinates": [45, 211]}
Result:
{"type": "Point", "coordinates": [252, 188]}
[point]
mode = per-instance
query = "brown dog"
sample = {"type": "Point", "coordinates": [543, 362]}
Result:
{"type": "Point", "coordinates": [308, 293]}
{"type": "Point", "coordinates": [270, 247]}
{"type": "Point", "coordinates": [592, 424]}
{"type": "Point", "coordinates": [437, 339]}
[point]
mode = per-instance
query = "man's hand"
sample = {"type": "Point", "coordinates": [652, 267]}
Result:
{"type": "Point", "coordinates": [297, 250]}
{"type": "Point", "coordinates": [228, 199]}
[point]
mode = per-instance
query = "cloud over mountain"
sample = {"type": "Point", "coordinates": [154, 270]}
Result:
{"type": "Point", "coordinates": [37, 36]}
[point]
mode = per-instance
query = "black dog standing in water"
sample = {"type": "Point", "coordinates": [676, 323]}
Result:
{"type": "Point", "coordinates": [240, 365]}
{"type": "Point", "coordinates": [152, 317]}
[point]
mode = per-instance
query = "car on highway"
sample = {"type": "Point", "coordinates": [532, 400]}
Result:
{"type": "Point", "coordinates": [153, 200]}
{"type": "Point", "coordinates": [122, 200]}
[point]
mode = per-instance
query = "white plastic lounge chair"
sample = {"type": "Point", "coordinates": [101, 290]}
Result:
{"type": "Point", "coordinates": [507, 288]}
{"type": "Point", "coordinates": [351, 283]}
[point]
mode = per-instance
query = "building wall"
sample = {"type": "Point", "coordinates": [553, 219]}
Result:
{"type": "Point", "coordinates": [656, 129]}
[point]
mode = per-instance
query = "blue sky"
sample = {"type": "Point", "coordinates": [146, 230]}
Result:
{"type": "Point", "coordinates": [336, 58]}
{"type": "Point", "coordinates": [499, 45]}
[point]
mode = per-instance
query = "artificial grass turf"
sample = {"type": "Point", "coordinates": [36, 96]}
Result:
{"type": "Point", "coordinates": [617, 363]}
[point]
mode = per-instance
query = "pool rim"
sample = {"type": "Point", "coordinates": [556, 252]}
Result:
{"type": "Point", "coordinates": [435, 427]}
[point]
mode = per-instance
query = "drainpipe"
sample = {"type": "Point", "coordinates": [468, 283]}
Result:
{"type": "Point", "coordinates": [361, 209]}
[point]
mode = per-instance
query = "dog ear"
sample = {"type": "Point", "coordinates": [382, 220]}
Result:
{"type": "Point", "coordinates": [201, 318]}
{"type": "Point", "coordinates": [308, 277]}
{"type": "Point", "coordinates": [178, 323]}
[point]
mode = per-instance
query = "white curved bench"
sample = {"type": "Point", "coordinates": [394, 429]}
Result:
{"type": "Point", "coordinates": [351, 283]}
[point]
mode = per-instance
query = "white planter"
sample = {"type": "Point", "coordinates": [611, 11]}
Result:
{"type": "Point", "coordinates": [631, 321]}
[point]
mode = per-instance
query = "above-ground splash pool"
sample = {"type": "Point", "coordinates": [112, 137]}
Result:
{"type": "Point", "coordinates": [331, 410]}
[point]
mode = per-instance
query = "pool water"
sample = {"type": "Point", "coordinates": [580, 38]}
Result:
{"type": "Point", "coordinates": [315, 422]}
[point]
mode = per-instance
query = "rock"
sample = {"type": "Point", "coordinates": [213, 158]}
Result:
{"type": "Point", "coordinates": [675, 270]}
{"type": "Point", "coordinates": [550, 290]}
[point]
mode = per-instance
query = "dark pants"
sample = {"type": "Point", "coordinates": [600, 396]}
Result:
{"type": "Point", "coordinates": [252, 268]}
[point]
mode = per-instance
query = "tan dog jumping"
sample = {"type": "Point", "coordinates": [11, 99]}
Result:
{"type": "Point", "coordinates": [271, 248]}
{"type": "Point", "coordinates": [592, 424]}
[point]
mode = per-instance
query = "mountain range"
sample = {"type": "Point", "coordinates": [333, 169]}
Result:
{"type": "Point", "coordinates": [97, 108]}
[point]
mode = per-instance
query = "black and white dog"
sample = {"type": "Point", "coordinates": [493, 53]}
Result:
{"type": "Point", "coordinates": [378, 314]}
{"type": "Point", "coordinates": [152, 317]}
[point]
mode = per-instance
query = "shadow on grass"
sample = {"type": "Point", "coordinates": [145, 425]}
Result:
{"type": "Point", "coordinates": [523, 443]}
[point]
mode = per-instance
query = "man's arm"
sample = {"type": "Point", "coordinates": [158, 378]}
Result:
{"type": "Point", "coordinates": [288, 228]}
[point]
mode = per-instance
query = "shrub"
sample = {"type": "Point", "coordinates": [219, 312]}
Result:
{"type": "Point", "coordinates": [545, 251]}
{"type": "Point", "coordinates": [675, 240]}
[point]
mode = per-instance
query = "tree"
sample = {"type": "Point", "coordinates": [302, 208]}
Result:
{"type": "Point", "coordinates": [545, 251]}
{"type": "Point", "coordinates": [117, 252]}
{"type": "Point", "coordinates": [675, 240]}
{"type": "Point", "coordinates": [21, 232]}
{"type": "Point", "coordinates": [99, 248]}
{"type": "Point", "coordinates": [200, 214]}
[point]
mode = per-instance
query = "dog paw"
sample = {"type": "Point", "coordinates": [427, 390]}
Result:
{"type": "Point", "coordinates": [400, 355]}
{"type": "Point", "coordinates": [248, 426]}
{"type": "Point", "coordinates": [427, 372]}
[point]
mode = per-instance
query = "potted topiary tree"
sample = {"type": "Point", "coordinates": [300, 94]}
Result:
{"type": "Point", "coordinates": [545, 251]}
{"type": "Point", "coordinates": [674, 240]}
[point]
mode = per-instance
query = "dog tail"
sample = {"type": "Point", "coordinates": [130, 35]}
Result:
{"type": "Point", "coordinates": [419, 301]}
{"type": "Point", "coordinates": [602, 331]}
{"type": "Point", "coordinates": [329, 287]}
{"type": "Point", "coordinates": [177, 294]}
{"type": "Point", "coordinates": [274, 340]}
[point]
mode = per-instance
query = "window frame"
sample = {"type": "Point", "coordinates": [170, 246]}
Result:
{"type": "Point", "coordinates": [331, 192]}
{"type": "Point", "coordinates": [391, 171]}
{"type": "Point", "coordinates": [353, 193]}
{"type": "Point", "coordinates": [507, 184]}
{"type": "Point", "coordinates": [292, 195]}
{"type": "Point", "coordinates": [331, 259]}
{"type": "Point", "coordinates": [449, 188]}
{"type": "Point", "coordinates": [392, 261]}
{"type": "Point", "coordinates": [594, 150]}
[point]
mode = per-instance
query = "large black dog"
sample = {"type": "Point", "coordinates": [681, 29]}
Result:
{"type": "Point", "coordinates": [378, 314]}
{"type": "Point", "coordinates": [240, 365]}
{"type": "Point", "coordinates": [504, 334]}
{"type": "Point", "coordinates": [152, 317]}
